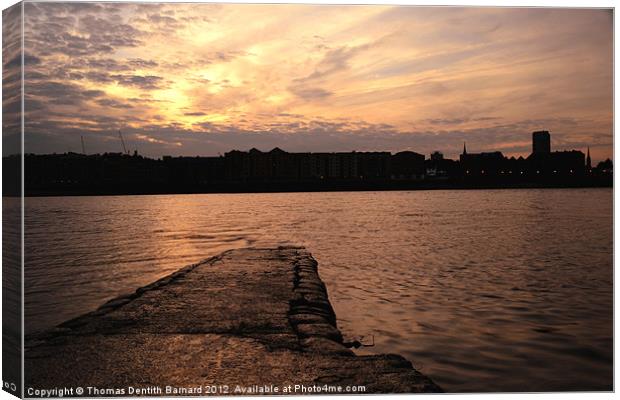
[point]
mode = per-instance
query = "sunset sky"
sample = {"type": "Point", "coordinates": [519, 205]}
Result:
{"type": "Point", "coordinates": [195, 79]}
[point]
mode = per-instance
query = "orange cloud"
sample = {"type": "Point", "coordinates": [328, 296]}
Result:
{"type": "Point", "coordinates": [166, 71]}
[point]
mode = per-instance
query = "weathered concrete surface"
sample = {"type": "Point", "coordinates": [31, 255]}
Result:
{"type": "Point", "coordinates": [246, 317]}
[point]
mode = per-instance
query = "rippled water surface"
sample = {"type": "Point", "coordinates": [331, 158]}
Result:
{"type": "Point", "coordinates": [497, 290]}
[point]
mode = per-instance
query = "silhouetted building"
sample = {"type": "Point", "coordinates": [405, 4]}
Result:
{"type": "Point", "coordinates": [436, 156]}
{"type": "Point", "coordinates": [373, 165]}
{"type": "Point", "coordinates": [515, 168]}
{"type": "Point", "coordinates": [256, 170]}
{"type": "Point", "coordinates": [482, 164]}
{"type": "Point", "coordinates": [194, 170]}
{"type": "Point", "coordinates": [543, 163]}
{"type": "Point", "coordinates": [557, 163]}
{"type": "Point", "coordinates": [439, 168]}
{"type": "Point", "coordinates": [73, 170]}
{"type": "Point", "coordinates": [407, 165]}
{"type": "Point", "coordinates": [606, 167]}
{"type": "Point", "coordinates": [541, 142]}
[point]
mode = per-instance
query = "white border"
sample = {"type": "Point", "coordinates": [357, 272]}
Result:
{"type": "Point", "coordinates": [481, 3]}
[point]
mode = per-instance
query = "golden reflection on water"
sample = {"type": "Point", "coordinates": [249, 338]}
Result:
{"type": "Point", "coordinates": [505, 290]}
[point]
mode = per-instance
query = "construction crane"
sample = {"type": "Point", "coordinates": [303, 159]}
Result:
{"type": "Point", "coordinates": [120, 135]}
{"type": "Point", "coordinates": [83, 150]}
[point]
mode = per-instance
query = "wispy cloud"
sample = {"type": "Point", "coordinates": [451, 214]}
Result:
{"type": "Point", "coordinates": [205, 78]}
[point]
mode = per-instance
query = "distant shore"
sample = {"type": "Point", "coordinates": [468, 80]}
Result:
{"type": "Point", "coordinates": [276, 187]}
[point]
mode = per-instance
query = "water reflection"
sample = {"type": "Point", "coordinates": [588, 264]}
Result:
{"type": "Point", "coordinates": [484, 290]}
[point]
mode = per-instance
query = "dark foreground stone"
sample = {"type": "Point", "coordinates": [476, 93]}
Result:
{"type": "Point", "coordinates": [244, 322]}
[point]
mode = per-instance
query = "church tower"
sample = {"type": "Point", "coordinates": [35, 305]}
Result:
{"type": "Point", "coordinates": [463, 156]}
{"type": "Point", "coordinates": [588, 161]}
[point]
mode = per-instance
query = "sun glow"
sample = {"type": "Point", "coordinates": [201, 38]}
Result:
{"type": "Point", "coordinates": [393, 74]}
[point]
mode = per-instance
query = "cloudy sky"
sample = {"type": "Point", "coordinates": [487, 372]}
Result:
{"type": "Point", "coordinates": [204, 79]}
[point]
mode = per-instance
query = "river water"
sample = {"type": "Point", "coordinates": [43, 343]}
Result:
{"type": "Point", "coordinates": [483, 290]}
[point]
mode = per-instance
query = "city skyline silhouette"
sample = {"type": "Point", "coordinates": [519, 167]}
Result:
{"type": "Point", "coordinates": [203, 79]}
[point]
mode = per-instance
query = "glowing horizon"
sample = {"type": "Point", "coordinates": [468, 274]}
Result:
{"type": "Point", "coordinates": [202, 79]}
